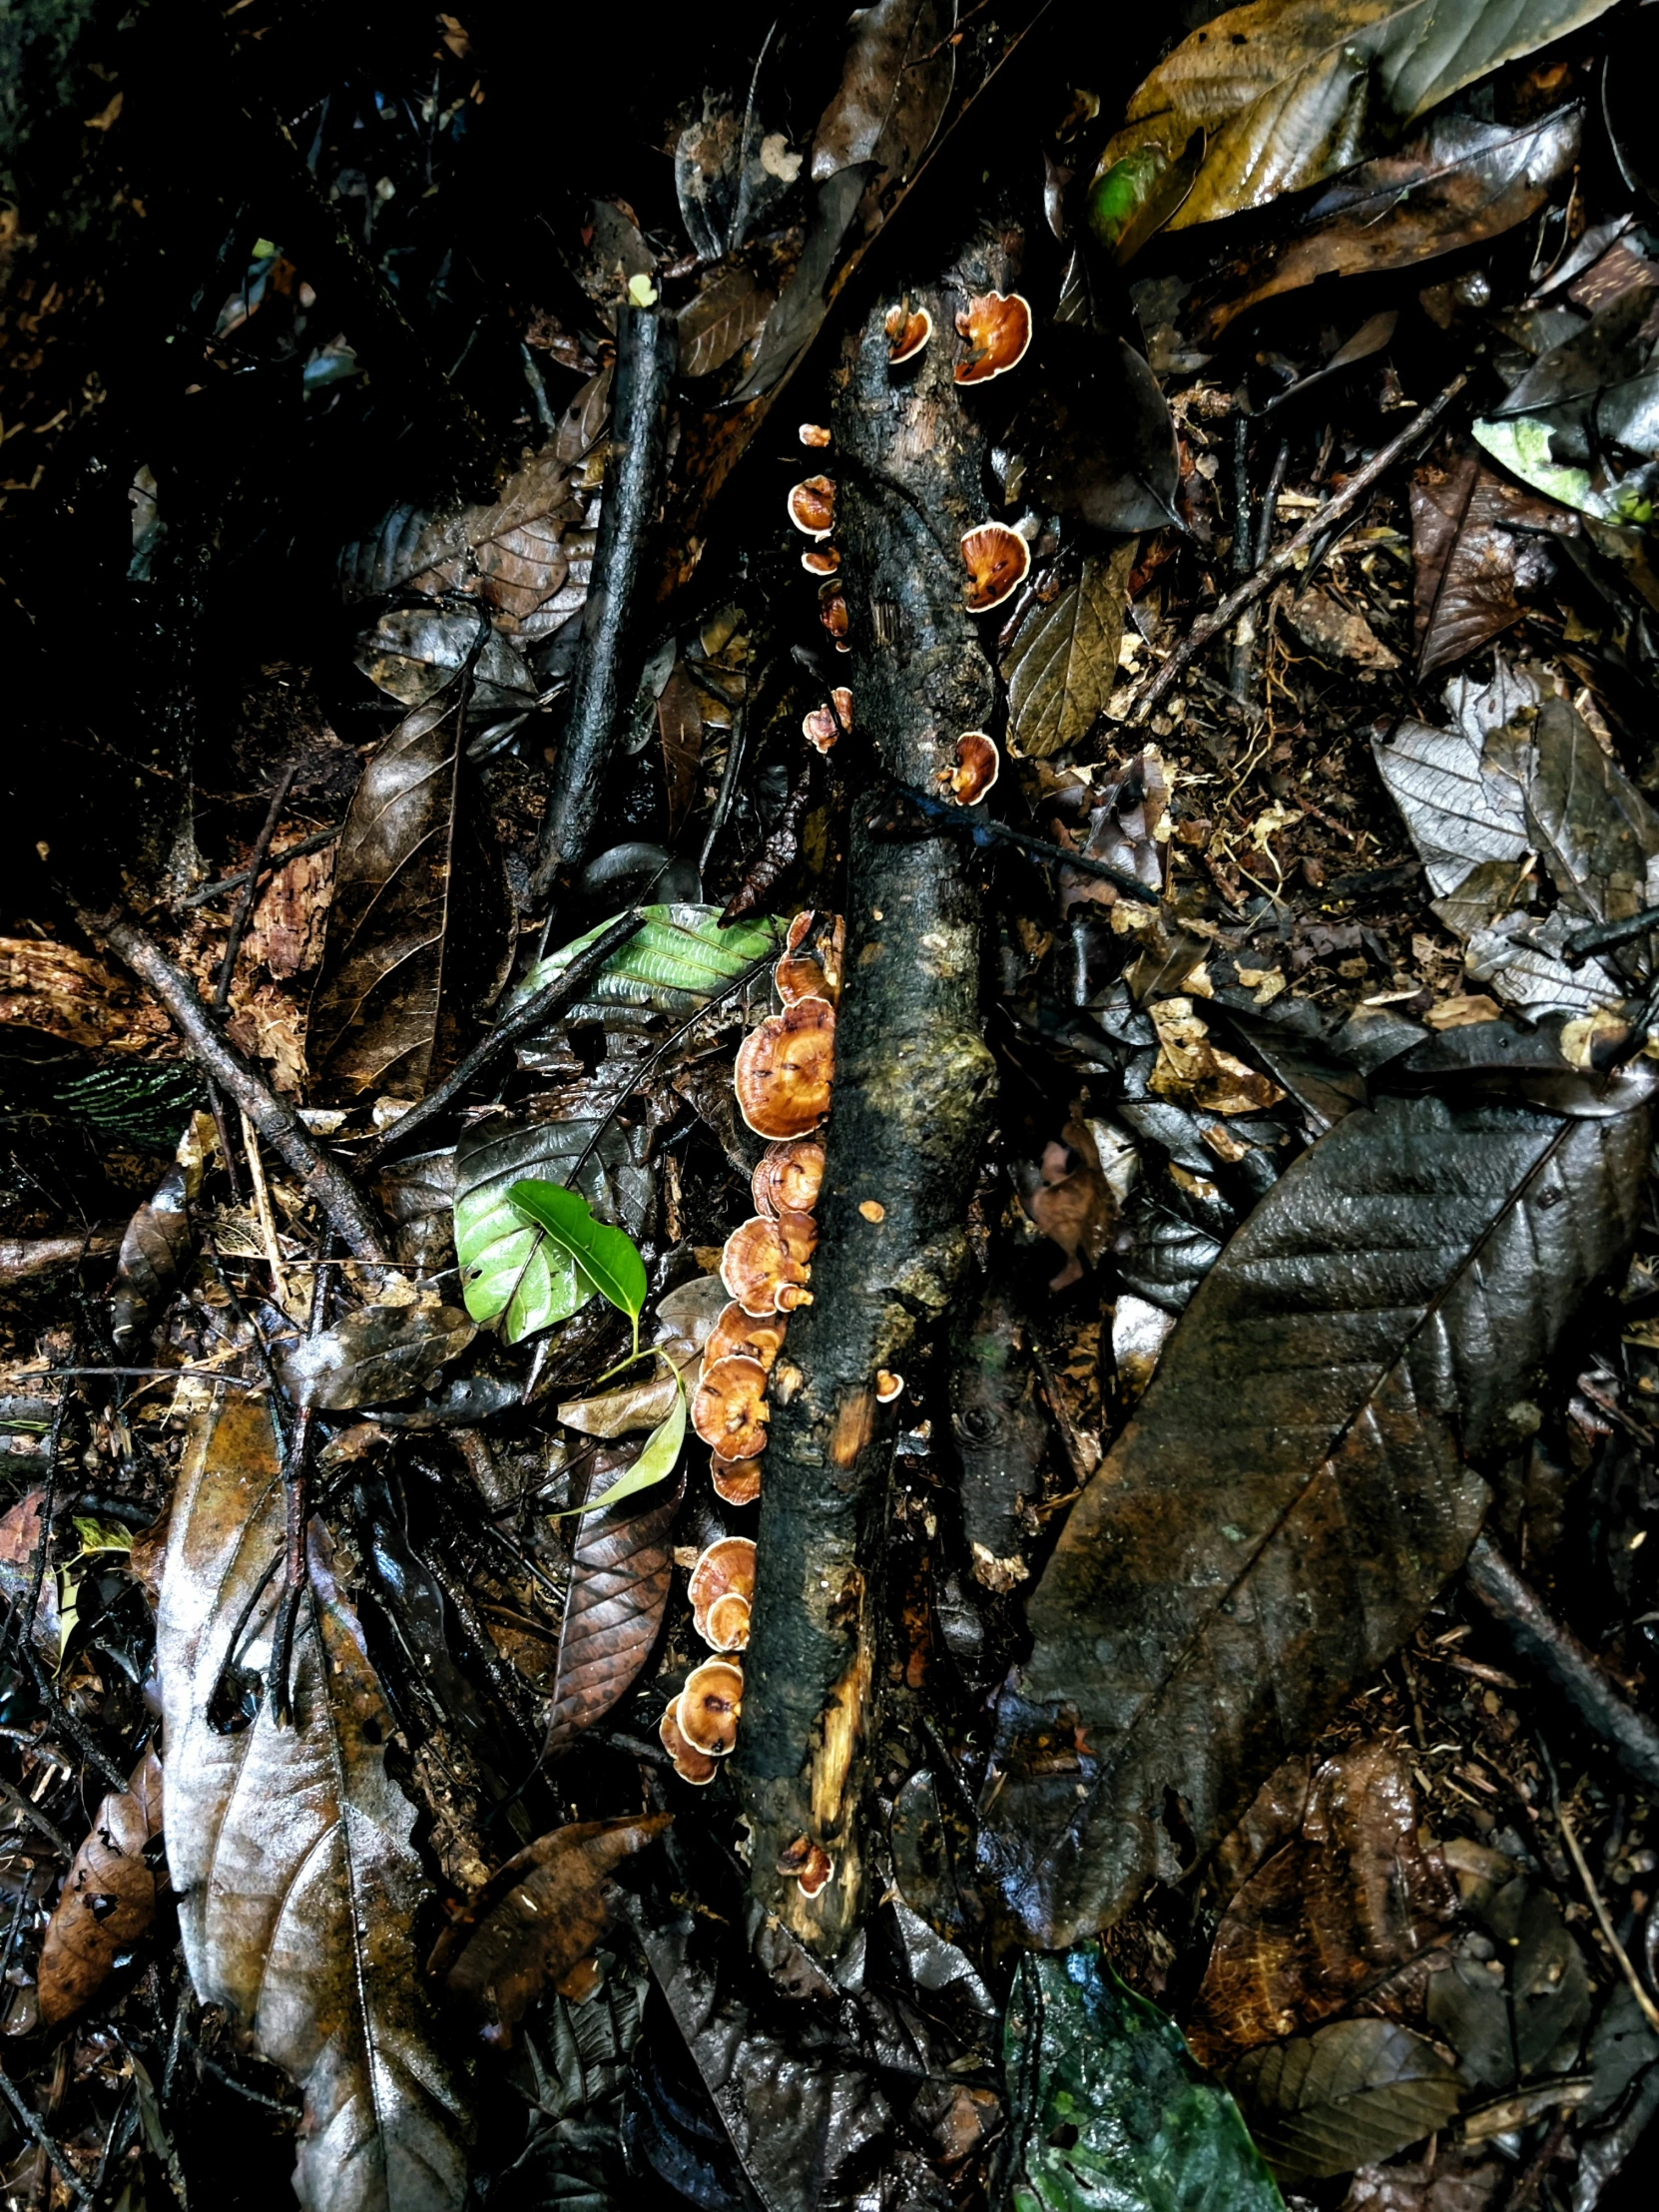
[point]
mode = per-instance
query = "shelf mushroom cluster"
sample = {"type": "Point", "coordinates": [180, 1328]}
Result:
{"type": "Point", "coordinates": [781, 1080]}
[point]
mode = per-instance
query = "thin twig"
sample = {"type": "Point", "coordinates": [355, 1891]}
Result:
{"type": "Point", "coordinates": [1223, 616]}
{"type": "Point", "coordinates": [273, 865]}
{"type": "Point", "coordinates": [1649, 2010]}
{"type": "Point", "coordinates": [546, 1005]}
{"type": "Point", "coordinates": [262, 1212]}
{"type": "Point", "coordinates": [250, 889]}
{"type": "Point", "coordinates": [1544, 1643]}
{"type": "Point", "coordinates": [33, 2126]}
{"type": "Point", "coordinates": [297, 1520]}
{"type": "Point", "coordinates": [322, 1179]}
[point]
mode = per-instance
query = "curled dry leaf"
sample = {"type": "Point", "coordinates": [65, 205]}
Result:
{"type": "Point", "coordinates": [374, 1012]}
{"type": "Point", "coordinates": [378, 1353]}
{"type": "Point", "coordinates": [108, 1901]}
{"type": "Point", "coordinates": [621, 1573]}
{"type": "Point", "coordinates": [1305, 1434]}
{"type": "Point", "coordinates": [1352, 1896]}
{"type": "Point", "coordinates": [1477, 543]}
{"type": "Point", "coordinates": [158, 1239]}
{"type": "Point", "coordinates": [549, 1910]}
{"type": "Point", "coordinates": [291, 1848]}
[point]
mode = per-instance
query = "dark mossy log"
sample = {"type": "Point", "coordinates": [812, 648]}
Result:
{"type": "Point", "coordinates": [913, 1078]}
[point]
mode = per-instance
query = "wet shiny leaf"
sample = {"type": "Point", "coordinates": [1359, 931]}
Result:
{"type": "Point", "coordinates": [1110, 2114]}
{"type": "Point", "coordinates": [379, 1353]}
{"type": "Point", "coordinates": [1292, 1493]}
{"type": "Point", "coordinates": [900, 66]}
{"type": "Point", "coordinates": [679, 961]}
{"type": "Point", "coordinates": [545, 1911]}
{"type": "Point", "coordinates": [291, 1847]}
{"type": "Point", "coordinates": [1356, 2091]}
{"type": "Point", "coordinates": [1477, 543]}
{"type": "Point", "coordinates": [1062, 666]}
{"type": "Point", "coordinates": [621, 1573]}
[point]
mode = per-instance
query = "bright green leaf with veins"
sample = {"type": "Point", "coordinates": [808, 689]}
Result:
{"type": "Point", "coordinates": [607, 1258]}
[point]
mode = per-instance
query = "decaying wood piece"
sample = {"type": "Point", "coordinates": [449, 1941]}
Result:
{"type": "Point", "coordinates": [913, 1078]}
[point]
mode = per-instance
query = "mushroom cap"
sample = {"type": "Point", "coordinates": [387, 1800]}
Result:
{"type": "Point", "coordinates": [887, 1386]}
{"type": "Point", "coordinates": [819, 727]}
{"type": "Point", "coordinates": [814, 433]}
{"type": "Point", "coordinates": [823, 937]}
{"type": "Point", "coordinates": [736, 1481]}
{"type": "Point", "coordinates": [809, 1862]}
{"type": "Point", "coordinates": [725, 1569]}
{"type": "Point", "coordinates": [821, 560]}
{"type": "Point", "coordinates": [763, 1264]}
{"type": "Point", "coordinates": [707, 1709]}
{"type": "Point", "coordinates": [978, 765]}
{"type": "Point", "coordinates": [740, 1336]}
{"type": "Point", "coordinates": [997, 327]}
{"type": "Point", "coordinates": [728, 1622]}
{"type": "Point", "coordinates": [788, 1178]}
{"type": "Point", "coordinates": [784, 1069]}
{"type": "Point", "coordinates": [729, 1411]}
{"type": "Point", "coordinates": [690, 1764]}
{"type": "Point", "coordinates": [998, 559]}
{"type": "Point", "coordinates": [908, 331]}
{"type": "Point", "coordinates": [832, 609]}
{"type": "Point", "coordinates": [811, 505]}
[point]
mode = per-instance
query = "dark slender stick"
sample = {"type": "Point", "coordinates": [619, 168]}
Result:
{"type": "Point", "coordinates": [1604, 937]}
{"type": "Point", "coordinates": [1223, 616]}
{"type": "Point", "coordinates": [1556, 1652]}
{"type": "Point", "coordinates": [208, 1374]}
{"type": "Point", "coordinates": [953, 820]}
{"type": "Point", "coordinates": [35, 2128]}
{"type": "Point", "coordinates": [250, 889]}
{"type": "Point", "coordinates": [647, 351]}
{"type": "Point", "coordinates": [297, 1520]}
{"type": "Point", "coordinates": [547, 1004]}
{"type": "Point", "coordinates": [322, 1179]}
{"type": "Point", "coordinates": [269, 867]}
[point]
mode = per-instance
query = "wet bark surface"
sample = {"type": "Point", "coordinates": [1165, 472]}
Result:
{"type": "Point", "coordinates": [913, 1081]}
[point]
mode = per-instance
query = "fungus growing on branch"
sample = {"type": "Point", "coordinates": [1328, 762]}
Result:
{"type": "Point", "coordinates": [908, 333]}
{"type": "Point", "coordinates": [785, 1070]}
{"type": "Point", "coordinates": [729, 1409]}
{"type": "Point", "coordinates": [788, 1178]}
{"type": "Point", "coordinates": [997, 559]}
{"type": "Point", "coordinates": [765, 1264]}
{"type": "Point", "coordinates": [997, 327]}
{"type": "Point", "coordinates": [707, 1709]}
{"type": "Point", "coordinates": [722, 1583]}
{"type": "Point", "coordinates": [979, 764]}
{"type": "Point", "coordinates": [690, 1764]}
{"type": "Point", "coordinates": [813, 506]}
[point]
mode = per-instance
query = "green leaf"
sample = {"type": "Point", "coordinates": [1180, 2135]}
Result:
{"type": "Point", "coordinates": [509, 1273]}
{"type": "Point", "coordinates": [658, 1457]}
{"type": "Point", "coordinates": [1355, 2093]}
{"type": "Point", "coordinates": [677, 962]}
{"type": "Point", "coordinates": [1109, 2113]}
{"type": "Point", "coordinates": [1138, 194]}
{"type": "Point", "coordinates": [608, 1257]}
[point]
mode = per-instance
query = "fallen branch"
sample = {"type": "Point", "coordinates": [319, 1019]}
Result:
{"type": "Point", "coordinates": [913, 1078]}
{"type": "Point", "coordinates": [1542, 1643]}
{"type": "Point", "coordinates": [1224, 615]}
{"type": "Point", "coordinates": [547, 1005]}
{"type": "Point", "coordinates": [23, 1258]}
{"type": "Point", "coordinates": [270, 866]}
{"type": "Point", "coordinates": [646, 352]}
{"type": "Point", "coordinates": [324, 1180]}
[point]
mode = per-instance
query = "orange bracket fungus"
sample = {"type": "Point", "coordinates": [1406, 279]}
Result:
{"type": "Point", "coordinates": [690, 1764]}
{"type": "Point", "coordinates": [788, 1178]}
{"type": "Point", "coordinates": [763, 1264]}
{"type": "Point", "coordinates": [784, 1069]}
{"type": "Point", "coordinates": [814, 433]}
{"type": "Point", "coordinates": [721, 1592]}
{"type": "Point", "coordinates": [822, 726]}
{"type": "Point", "coordinates": [736, 1481]}
{"type": "Point", "coordinates": [888, 1387]}
{"type": "Point", "coordinates": [813, 506]}
{"type": "Point", "coordinates": [997, 327]}
{"type": "Point", "coordinates": [709, 1706]}
{"type": "Point", "coordinates": [821, 560]}
{"type": "Point", "coordinates": [908, 333]}
{"type": "Point", "coordinates": [831, 611]}
{"type": "Point", "coordinates": [737, 1335]}
{"type": "Point", "coordinates": [997, 559]}
{"type": "Point", "coordinates": [979, 764]}
{"type": "Point", "coordinates": [809, 1862]}
{"type": "Point", "coordinates": [729, 1411]}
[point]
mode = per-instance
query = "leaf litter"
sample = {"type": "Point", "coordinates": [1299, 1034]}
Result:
{"type": "Point", "coordinates": [1212, 1843]}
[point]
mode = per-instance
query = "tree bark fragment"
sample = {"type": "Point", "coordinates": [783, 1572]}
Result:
{"type": "Point", "coordinates": [913, 1079]}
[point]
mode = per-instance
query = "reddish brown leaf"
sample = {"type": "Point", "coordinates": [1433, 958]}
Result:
{"type": "Point", "coordinates": [1352, 1897]}
{"type": "Point", "coordinates": [108, 1899]}
{"type": "Point", "coordinates": [679, 731]}
{"type": "Point", "coordinates": [21, 1536]}
{"type": "Point", "coordinates": [1477, 542]}
{"type": "Point", "coordinates": [619, 1584]}
{"type": "Point", "coordinates": [549, 1911]}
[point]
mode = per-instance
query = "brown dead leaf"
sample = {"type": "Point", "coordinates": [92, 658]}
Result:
{"type": "Point", "coordinates": [21, 1536]}
{"type": "Point", "coordinates": [1478, 544]}
{"type": "Point", "coordinates": [548, 1911]}
{"type": "Point", "coordinates": [1348, 1898]}
{"type": "Point", "coordinates": [1462, 1011]}
{"type": "Point", "coordinates": [55, 993]}
{"type": "Point", "coordinates": [108, 1901]}
{"type": "Point", "coordinates": [1196, 1072]}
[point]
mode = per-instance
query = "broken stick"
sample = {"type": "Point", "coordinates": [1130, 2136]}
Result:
{"type": "Point", "coordinates": [913, 1078]}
